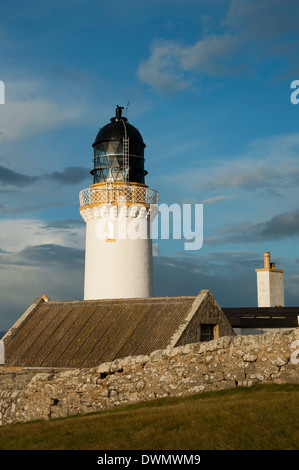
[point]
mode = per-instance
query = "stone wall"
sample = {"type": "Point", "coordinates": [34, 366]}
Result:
{"type": "Point", "coordinates": [15, 378]}
{"type": "Point", "coordinates": [223, 363]}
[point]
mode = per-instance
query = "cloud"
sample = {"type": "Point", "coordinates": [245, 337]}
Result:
{"type": "Point", "coordinates": [169, 66]}
{"type": "Point", "coordinates": [210, 54]}
{"type": "Point", "coordinates": [44, 255]}
{"type": "Point", "coordinates": [70, 175]}
{"type": "Point", "coordinates": [12, 178]}
{"type": "Point", "coordinates": [282, 225]}
{"type": "Point", "coordinates": [246, 175]}
{"type": "Point", "coordinates": [251, 29]}
{"type": "Point", "coordinates": [16, 234]}
{"type": "Point", "coordinates": [279, 227]}
{"type": "Point", "coordinates": [161, 70]}
{"type": "Point", "coordinates": [291, 282]}
{"type": "Point", "coordinates": [17, 209]}
{"type": "Point", "coordinates": [30, 111]}
{"type": "Point", "coordinates": [51, 269]}
{"type": "Point", "coordinates": [269, 164]}
{"type": "Point", "coordinates": [39, 257]}
{"type": "Point", "coordinates": [231, 280]}
{"type": "Point", "coordinates": [230, 276]}
{"type": "Point", "coordinates": [215, 199]}
{"type": "Point", "coordinates": [263, 19]}
{"type": "Point", "coordinates": [64, 224]}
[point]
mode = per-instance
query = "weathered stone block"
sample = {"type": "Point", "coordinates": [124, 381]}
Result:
{"type": "Point", "coordinates": [290, 376]}
{"type": "Point", "coordinates": [249, 357]}
{"type": "Point", "coordinates": [212, 378]}
{"type": "Point", "coordinates": [234, 375]}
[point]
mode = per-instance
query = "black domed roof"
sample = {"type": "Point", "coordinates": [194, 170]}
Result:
{"type": "Point", "coordinates": [115, 130]}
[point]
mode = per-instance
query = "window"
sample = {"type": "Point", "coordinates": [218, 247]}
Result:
{"type": "Point", "coordinates": [110, 231]}
{"type": "Point", "coordinates": [207, 332]}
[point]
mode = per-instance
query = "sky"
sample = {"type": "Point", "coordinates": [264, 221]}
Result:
{"type": "Point", "coordinates": [208, 85]}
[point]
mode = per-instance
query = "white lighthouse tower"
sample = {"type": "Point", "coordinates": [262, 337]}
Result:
{"type": "Point", "coordinates": [117, 210]}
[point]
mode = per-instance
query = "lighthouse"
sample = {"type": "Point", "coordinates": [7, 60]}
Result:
{"type": "Point", "coordinates": [118, 211]}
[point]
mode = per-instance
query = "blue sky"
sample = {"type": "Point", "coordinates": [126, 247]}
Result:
{"type": "Point", "coordinates": [208, 86]}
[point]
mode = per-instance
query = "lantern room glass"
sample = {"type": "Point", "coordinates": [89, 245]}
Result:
{"type": "Point", "coordinates": [109, 163]}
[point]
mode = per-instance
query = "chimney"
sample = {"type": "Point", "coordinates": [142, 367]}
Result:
{"type": "Point", "coordinates": [270, 289]}
{"type": "Point", "coordinates": [267, 260]}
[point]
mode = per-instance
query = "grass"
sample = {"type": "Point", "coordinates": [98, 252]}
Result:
{"type": "Point", "coordinates": [263, 417]}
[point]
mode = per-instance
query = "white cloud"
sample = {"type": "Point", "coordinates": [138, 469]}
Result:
{"type": "Point", "coordinates": [269, 164]}
{"type": "Point", "coordinates": [169, 66]}
{"type": "Point", "coordinates": [208, 54]}
{"type": "Point", "coordinates": [263, 19]}
{"type": "Point", "coordinates": [215, 199]}
{"type": "Point", "coordinates": [36, 258]}
{"type": "Point", "coordinates": [60, 277]}
{"type": "Point", "coordinates": [16, 234]}
{"type": "Point", "coordinates": [161, 70]}
{"type": "Point", "coordinates": [250, 30]}
{"type": "Point", "coordinates": [30, 111]}
{"type": "Point", "coordinates": [279, 227]}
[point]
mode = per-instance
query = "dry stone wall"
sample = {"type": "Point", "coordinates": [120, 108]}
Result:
{"type": "Point", "coordinates": [15, 378]}
{"type": "Point", "coordinates": [226, 362]}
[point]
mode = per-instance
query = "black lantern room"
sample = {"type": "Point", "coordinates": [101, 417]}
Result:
{"type": "Point", "coordinates": [118, 152]}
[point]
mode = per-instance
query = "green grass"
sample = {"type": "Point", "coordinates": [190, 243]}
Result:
{"type": "Point", "coordinates": [263, 417]}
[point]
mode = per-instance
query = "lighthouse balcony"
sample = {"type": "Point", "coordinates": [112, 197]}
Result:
{"type": "Point", "coordinates": [118, 194]}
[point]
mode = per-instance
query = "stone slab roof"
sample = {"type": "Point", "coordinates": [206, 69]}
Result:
{"type": "Point", "coordinates": [87, 333]}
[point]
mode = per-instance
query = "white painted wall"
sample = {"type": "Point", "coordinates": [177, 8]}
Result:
{"type": "Point", "coordinates": [263, 289]}
{"type": "Point", "coordinates": [270, 288]}
{"type": "Point", "coordinates": [117, 267]}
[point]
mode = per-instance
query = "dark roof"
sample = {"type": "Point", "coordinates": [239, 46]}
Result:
{"type": "Point", "coordinates": [262, 317]}
{"type": "Point", "coordinates": [87, 333]}
{"type": "Point", "coordinates": [115, 130]}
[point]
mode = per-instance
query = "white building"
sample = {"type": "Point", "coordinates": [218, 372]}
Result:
{"type": "Point", "coordinates": [270, 289]}
{"type": "Point", "coordinates": [117, 211]}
